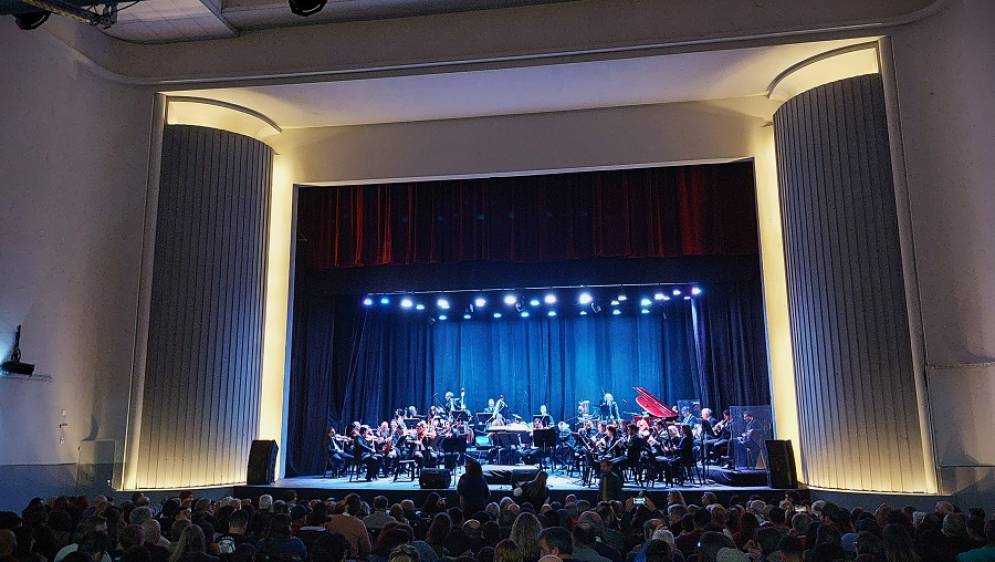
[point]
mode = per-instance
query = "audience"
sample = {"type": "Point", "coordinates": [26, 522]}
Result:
{"type": "Point", "coordinates": [529, 527]}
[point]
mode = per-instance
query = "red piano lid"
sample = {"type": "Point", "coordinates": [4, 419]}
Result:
{"type": "Point", "coordinates": [652, 404]}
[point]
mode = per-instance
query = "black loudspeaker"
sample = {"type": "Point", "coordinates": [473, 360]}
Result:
{"type": "Point", "coordinates": [262, 463]}
{"type": "Point", "coordinates": [781, 473]}
{"type": "Point", "coordinates": [435, 478]}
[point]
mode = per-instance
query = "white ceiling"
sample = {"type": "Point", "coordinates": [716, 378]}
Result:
{"type": "Point", "coordinates": [710, 75]}
{"type": "Point", "coordinates": [164, 21]}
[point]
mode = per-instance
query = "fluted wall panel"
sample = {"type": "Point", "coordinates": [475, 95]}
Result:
{"type": "Point", "coordinates": [856, 394]}
{"type": "Point", "coordinates": [200, 407]}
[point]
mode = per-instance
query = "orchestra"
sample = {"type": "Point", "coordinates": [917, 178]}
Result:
{"type": "Point", "coordinates": [653, 444]}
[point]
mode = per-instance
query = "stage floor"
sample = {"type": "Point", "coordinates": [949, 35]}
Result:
{"type": "Point", "coordinates": [560, 485]}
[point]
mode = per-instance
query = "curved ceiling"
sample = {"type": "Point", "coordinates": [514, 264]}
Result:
{"type": "Point", "coordinates": [709, 75]}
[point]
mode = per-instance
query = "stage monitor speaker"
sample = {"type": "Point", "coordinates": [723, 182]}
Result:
{"type": "Point", "coordinates": [435, 478]}
{"type": "Point", "coordinates": [262, 463]}
{"type": "Point", "coordinates": [781, 473]}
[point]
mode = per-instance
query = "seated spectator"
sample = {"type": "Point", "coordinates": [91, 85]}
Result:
{"type": "Point", "coordinates": [584, 539]}
{"type": "Point", "coordinates": [345, 521]}
{"type": "Point", "coordinates": [404, 553]}
{"type": "Point", "coordinates": [379, 516]}
{"type": "Point", "coordinates": [387, 541]}
{"type": "Point", "coordinates": [984, 553]}
{"type": "Point", "coordinates": [507, 551]}
{"type": "Point", "coordinates": [556, 541]}
{"type": "Point", "coordinates": [525, 534]}
{"type": "Point", "coordinates": [191, 547]}
{"type": "Point", "coordinates": [279, 543]}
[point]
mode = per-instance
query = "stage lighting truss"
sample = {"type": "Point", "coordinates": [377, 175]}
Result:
{"type": "Point", "coordinates": [548, 302]}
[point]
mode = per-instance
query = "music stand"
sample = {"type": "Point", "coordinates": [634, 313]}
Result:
{"type": "Point", "coordinates": [483, 418]}
{"type": "Point", "coordinates": [460, 415]}
{"type": "Point", "coordinates": [544, 420]}
{"type": "Point", "coordinates": [455, 445]}
{"type": "Point", "coordinates": [411, 423]}
{"type": "Point", "coordinates": [544, 439]}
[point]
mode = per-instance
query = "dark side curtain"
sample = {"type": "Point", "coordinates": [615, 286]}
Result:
{"type": "Point", "coordinates": [653, 212]}
{"type": "Point", "coordinates": [351, 363]}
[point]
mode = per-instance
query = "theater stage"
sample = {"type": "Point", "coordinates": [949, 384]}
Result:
{"type": "Point", "coordinates": [499, 477]}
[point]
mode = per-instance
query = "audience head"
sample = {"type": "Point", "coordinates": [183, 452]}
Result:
{"type": "Point", "coordinates": [556, 541]}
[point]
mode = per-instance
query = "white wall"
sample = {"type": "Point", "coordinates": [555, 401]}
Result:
{"type": "Point", "coordinates": [73, 161]}
{"type": "Point", "coordinates": [944, 70]}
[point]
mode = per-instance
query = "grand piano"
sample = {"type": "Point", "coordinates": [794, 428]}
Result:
{"type": "Point", "coordinates": [653, 407]}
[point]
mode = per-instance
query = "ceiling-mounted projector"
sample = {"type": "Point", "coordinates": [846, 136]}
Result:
{"type": "Point", "coordinates": [30, 14]}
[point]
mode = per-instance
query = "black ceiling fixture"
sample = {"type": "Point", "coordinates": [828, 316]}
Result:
{"type": "Point", "coordinates": [306, 7]}
{"type": "Point", "coordinates": [31, 14]}
{"type": "Point", "coordinates": [31, 20]}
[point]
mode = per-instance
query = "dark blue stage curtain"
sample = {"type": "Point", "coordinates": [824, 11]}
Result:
{"type": "Point", "coordinates": [351, 363]}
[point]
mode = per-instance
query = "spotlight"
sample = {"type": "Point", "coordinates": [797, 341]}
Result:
{"type": "Point", "coordinates": [549, 299]}
{"type": "Point", "coordinates": [367, 301]}
{"type": "Point", "coordinates": [419, 306]}
{"type": "Point", "coordinates": [551, 313]}
{"type": "Point", "coordinates": [497, 315]}
{"type": "Point", "coordinates": [31, 20]}
{"type": "Point", "coordinates": [407, 303]}
{"type": "Point", "coordinates": [443, 317]}
{"type": "Point", "coordinates": [583, 313]}
{"type": "Point", "coordinates": [384, 300]}
{"type": "Point", "coordinates": [687, 297]}
{"type": "Point", "coordinates": [466, 317]}
{"type": "Point", "coordinates": [525, 314]}
{"type": "Point", "coordinates": [442, 303]}
{"type": "Point", "coordinates": [510, 299]}
{"type": "Point", "coordinates": [616, 312]}
{"type": "Point", "coordinates": [480, 302]}
{"type": "Point", "coordinates": [534, 302]}
{"type": "Point", "coordinates": [645, 311]}
{"type": "Point", "coordinates": [695, 291]}
{"type": "Point", "coordinates": [676, 292]}
{"type": "Point", "coordinates": [659, 296]}
{"type": "Point", "coordinates": [645, 302]}
{"type": "Point", "coordinates": [614, 302]}
{"type": "Point", "coordinates": [306, 7]}
{"type": "Point", "coordinates": [622, 297]}
{"type": "Point", "coordinates": [585, 298]}
{"type": "Point", "coordinates": [666, 298]}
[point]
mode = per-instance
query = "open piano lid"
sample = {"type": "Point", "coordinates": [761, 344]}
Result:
{"type": "Point", "coordinates": [652, 405]}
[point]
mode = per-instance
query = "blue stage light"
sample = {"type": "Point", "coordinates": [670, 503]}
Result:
{"type": "Point", "coordinates": [367, 301]}
{"type": "Point", "coordinates": [614, 303]}
{"type": "Point", "coordinates": [687, 297]}
{"type": "Point", "coordinates": [645, 311]}
{"type": "Point", "coordinates": [466, 317]}
{"type": "Point", "coordinates": [480, 302]}
{"type": "Point", "coordinates": [659, 296]}
{"type": "Point", "coordinates": [622, 297]}
{"type": "Point", "coordinates": [645, 302]}
{"type": "Point", "coordinates": [676, 292]}
{"type": "Point", "coordinates": [583, 313]}
{"type": "Point", "coordinates": [551, 313]}
{"type": "Point", "coordinates": [525, 314]}
{"type": "Point", "coordinates": [549, 299]}
{"type": "Point", "coordinates": [442, 303]}
{"type": "Point", "coordinates": [585, 298]}
{"type": "Point", "coordinates": [407, 303]}
{"type": "Point", "coordinates": [497, 315]}
{"type": "Point", "coordinates": [510, 300]}
{"type": "Point", "coordinates": [666, 298]}
{"type": "Point", "coordinates": [695, 291]}
{"type": "Point", "coordinates": [534, 302]}
{"type": "Point", "coordinates": [443, 317]}
{"type": "Point", "coordinates": [419, 306]}
{"type": "Point", "coordinates": [384, 300]}
{"type": "Point", "coordinates": [616, 312]}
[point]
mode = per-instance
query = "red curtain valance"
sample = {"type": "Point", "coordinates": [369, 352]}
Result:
{"type": "Point", "coordinates": [653, 212]}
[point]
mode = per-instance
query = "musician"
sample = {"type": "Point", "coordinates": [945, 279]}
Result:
{"type": "Point", "coordinates": [750, 440]}
{"type": "Point", "coordinates": [687, 417]}
{"type": "Point", "coordinates": [490, 406]}
{"type": "Point", "coordinates": [421, 443]}
{"type": "Point", "coordinates": [631, 451]}
{"type": "Point", "coordinates": [399, 418]}
{"type": "Point", "coordinates": [412, 412]}
{"type": "Point", "coordinates": [455, 404]}
{"type": "Point", "coordinates": [682, 454]}
{"type": "Point", "coordinates": [609, 408]}
{"type": "Point", "coordinates": [338, 457]}
{"type": "Point", "coordinates": [365, 451]}
{"type": "Point", "coordinates": [545, 420]}
{"type": "Point", "coordinates": [710, 434]}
